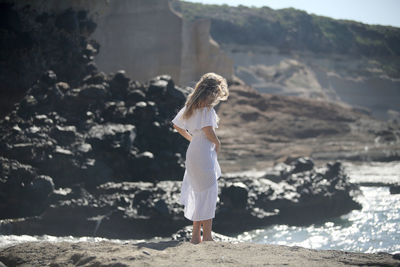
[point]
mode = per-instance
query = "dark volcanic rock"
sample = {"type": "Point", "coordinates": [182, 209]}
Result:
{"type": "Point", "coordinates": [88, 135]}
{"type": "Point", "coordinates": [79, 126]}
{"type": "Point", "coordinates": [114, 210]}
{"type": "Point", "coordinates": [394, 189]}
{"type": "Point", "coordinates": [298, 197]}
{"type": "Point", "coordinates": [34, 42]}
{"type": "Point", "coordinates": [234, 196]}
{"type": "Point", "coordinates": [89, 130]}
{"type": "Point", "coordinates": [23, 192]}
{"type": "Point", "coordinates": [144, 209]}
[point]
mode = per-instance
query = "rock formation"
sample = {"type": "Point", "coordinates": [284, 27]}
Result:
{"type": "Point", "coordinates": [334, 78]}
{"type": "Point", "coordinates": [201, 54]}
{"type": "Point", "coordinates": [291, 52]}
{"type": "Point", "coordinates": [35, 40]}
{"type": "Point", "coordinates": [277, 127]}
{"type": "Point", "coordinates": [144, 38]}
{"type": "Point", "coordinates": [295, 193]}
{"type": "Point", "coordinates": [147, 38]}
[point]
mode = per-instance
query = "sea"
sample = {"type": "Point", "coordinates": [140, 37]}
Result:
{"type": "Point", "coordinates": [374, 228]}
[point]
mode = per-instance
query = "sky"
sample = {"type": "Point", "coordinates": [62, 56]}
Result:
{"type": "Point", "coordinates": [383, 12]}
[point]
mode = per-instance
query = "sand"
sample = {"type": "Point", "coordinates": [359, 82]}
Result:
{"type": "Point", "coordinates": [182, 253]}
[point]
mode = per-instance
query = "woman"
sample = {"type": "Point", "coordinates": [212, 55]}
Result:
{"type": "Point", "coordinates": [196, 122]}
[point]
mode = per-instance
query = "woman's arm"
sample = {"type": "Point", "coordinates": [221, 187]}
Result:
{"type": "Point", "coordinates": [183, 132]}
{"type": "Point", "coordinates": [210, 133]}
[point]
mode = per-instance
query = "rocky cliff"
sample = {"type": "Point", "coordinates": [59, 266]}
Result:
{"type": "Point", "coordinates": [290, 52]}
{"type": "Point", "coordinates": [258, 129]}
{"type": "Point", "coordinates": [145, 38]}
{"type": "Point", "coordinates": [148, 38]}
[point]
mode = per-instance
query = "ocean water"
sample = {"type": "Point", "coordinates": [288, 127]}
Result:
{"type": "Point", "coordinates": [375, 228]}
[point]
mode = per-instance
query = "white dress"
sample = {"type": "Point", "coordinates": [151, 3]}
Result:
{"type": "Point", "coordinates": [199, 191]}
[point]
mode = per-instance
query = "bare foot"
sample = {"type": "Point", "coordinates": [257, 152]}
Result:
{"type": "Point", "coordinates": [195, 241]}
{"type": "Point", "coordinates": [208, 239]}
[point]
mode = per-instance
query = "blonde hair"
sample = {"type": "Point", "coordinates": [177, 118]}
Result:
{"type": "Point", "coordinates": [209, 90]}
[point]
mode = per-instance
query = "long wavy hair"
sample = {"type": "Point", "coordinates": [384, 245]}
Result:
{"type": "Point", "coordinates": [209, 90]}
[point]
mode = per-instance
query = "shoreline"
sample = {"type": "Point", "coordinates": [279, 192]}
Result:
{"type": "Point", "coordinates": [163, 253]}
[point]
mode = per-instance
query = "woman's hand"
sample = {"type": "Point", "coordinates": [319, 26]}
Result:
{"type": "Point", "coordinates": [217, 147]}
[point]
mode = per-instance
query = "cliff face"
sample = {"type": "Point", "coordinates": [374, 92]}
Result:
{"type": "Point", "coordinates": [201, 53]}
{"type": "Point", "coordinates": [142, 37]}
{"type": "Point", "coordinates": [145, 38]}
{"type": "Point", "coordinates": [35, 39]}
{"type": "Point", "coordinates": [290, 52]}
{"type": "Point", "coordinates": [293, 29]}
{"type": "Point", "coordinates": [258, 129]}
{"type": "Point", "coordinates": [331, 77]}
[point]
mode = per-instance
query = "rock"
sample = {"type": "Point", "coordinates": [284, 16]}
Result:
{"type": "Point", "coordinates": [91, 68]}
{"type": "Point", "coordinates": [109, 211]}
{"type": "Point", "coordinates": [386, 136]}
{"type": "Point", "coordinates": [143, 113]}
{"type": "Point", "coordinates": [111, 135]}
{"type": "Point", "coordinates": [275, 175]}
{"type": "Point", "coordinates": [22, 191]}
{"type": "Point", "coordinates": [63, 87]}
{"type": "Point", "coordinates": [296, 198]}
{"type": "Point", "coordinates": [161, 207]}
{"type": "Point", "coordinates": [234, 196]}
{"type": "Point", "coordinates": [97, 78]}
{"type": "Point", "coordinates": [67, 21]}
{"type": "Point", "coordinates": [157, 88]}
{"type": "Point", "coordinates": [26, 107]}
{"type": "Point", "coordinates": [394, 189]}
{"type": "Point", "coordinates": [145, 166]}
{"type": "Point", "coordinates": [41, 187]}
{"type": "Point", "coordinates": [135, 96]}
{"type": "Point", "coordinates": [48, 78]}
{"type": "Point", "coordinates": [119, 84]}
{"type": "Point", "coordinates": [144, 209]}
{"type": "Point", "coordinates": [115, 111]}
{"type": "Point", "coordinates": [302, 164]}
{"type": "Point", "coordinates": [64, 135]}
{"type": "Point", "coordinates": [93, 91]}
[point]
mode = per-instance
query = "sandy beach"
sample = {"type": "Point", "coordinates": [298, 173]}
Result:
{"type": "Point", "coordinates": [183, 253]}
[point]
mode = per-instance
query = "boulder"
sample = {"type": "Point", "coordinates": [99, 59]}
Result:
{"type": "Point", "coordinates": [394, 189]}
{"type": "Point", "coordinates": [119, 84]}
{"type": "Point", "coordinates": [235, 196]}
{"type": "Point", "coordinates": [23, 192]}
{"type": "Point", "coordinates": [296, 198]}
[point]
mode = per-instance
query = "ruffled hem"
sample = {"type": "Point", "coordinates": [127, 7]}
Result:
{"type": "Point", "coordinates": [199, 206]}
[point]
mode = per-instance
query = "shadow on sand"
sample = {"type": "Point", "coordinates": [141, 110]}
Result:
{"type": "Point", "coordinates": [159, 245]}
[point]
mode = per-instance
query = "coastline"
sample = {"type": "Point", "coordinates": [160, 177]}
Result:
{"type": "Point", "coordinates": [183, 253]}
